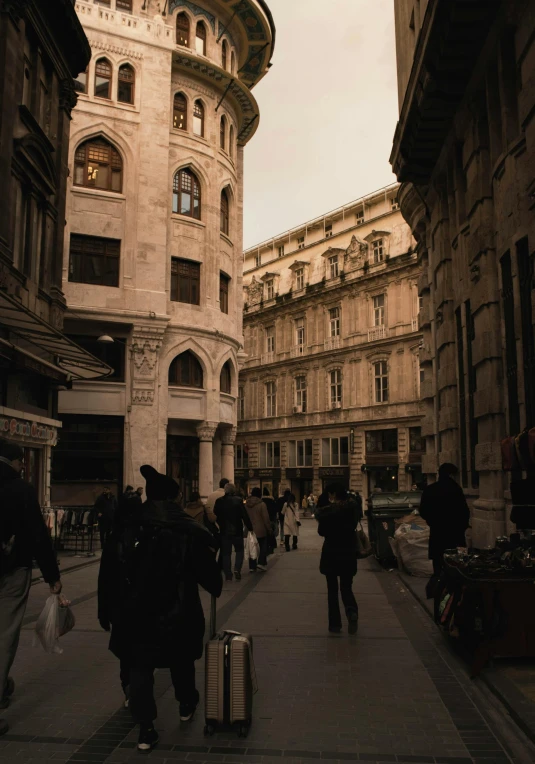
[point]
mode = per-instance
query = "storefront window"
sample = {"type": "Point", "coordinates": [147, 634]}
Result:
{"type": "Point", "coordinates": [270, 455]}
{"type": "Point", "coordinates": [90, 450]}
{"type": "Point", "coordinates": [335, 452]}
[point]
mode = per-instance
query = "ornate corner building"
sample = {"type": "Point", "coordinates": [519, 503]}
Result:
{"type": "Point", "coordinates": [330, 387]}
{"type": "Point", "coordinates": [153, 252]}
{"type": "Point", "coordinates": [464, 152]}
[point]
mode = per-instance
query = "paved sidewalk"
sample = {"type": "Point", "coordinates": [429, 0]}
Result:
{"type": "Point", "coordinates": [390, 694]}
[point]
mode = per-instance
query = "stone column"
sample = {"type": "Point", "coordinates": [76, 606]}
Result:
{"type": "Point", "coordinates": [228, 438]}
{"type": "Point", "coordinates": [205, 433]}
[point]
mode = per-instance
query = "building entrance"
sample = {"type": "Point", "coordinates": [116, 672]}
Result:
{"type": "Point", "coordinates": [183, 463]}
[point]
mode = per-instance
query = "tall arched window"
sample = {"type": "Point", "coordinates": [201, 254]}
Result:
{"type": "Point", "coordinates": [187, 194]}
{"type": "Point", "coordinates": [224, 54]}
{"type": "Point", "coordinates": [233, 63]}
{"type": "Point", "coordinates": [198, 119]}
{"type": "Point", "coordinates": [103, 73]}
{"type": "Point", "coordinates": [231, 142]}
{"type": "Point", "coordinates": [180, 112]}
{"type": "Point", "coordinates": [200, 38]}
{"type": "Point", "coordinates": [223, 132]}
{"type": "Point", "coordinates": [125, 84]}
{"type": "Point", "coordinates": [182, 30]}
{"type": "Point", "coordinates": [225, 378]}
{"type": "Point", "coordinates": [98, 164]}
{"type": "Point", "coordinates": [224, 212]}
{"type": "Point", "coordinates": [186, 371]}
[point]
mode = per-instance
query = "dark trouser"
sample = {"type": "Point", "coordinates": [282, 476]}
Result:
{"type": "Point", "coordinates": [348, 598]}
{"type": "Point", "coordinates": [287, 542]}
{"type": "Point", "coordinates": [14, 588]}
{"type": "Point", "coordinates": [140, 680]}
{"type": "Point", "coordinates": [262, 557]}
{"type": "Point", "coordinates": [438, 564]}
{"type": "Point", "coordinates": [104, 528]}
{"type": "Point", "coordinates": [227, 544]}
{"type": "Point", "coordinates": [281, 526]}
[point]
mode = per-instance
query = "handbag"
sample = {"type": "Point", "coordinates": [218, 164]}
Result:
{"type": "Point", "coordinates": [364, 548]}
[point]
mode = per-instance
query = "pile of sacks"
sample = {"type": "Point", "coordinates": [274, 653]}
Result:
{"type": "Point", "coordinates": [410, 545]}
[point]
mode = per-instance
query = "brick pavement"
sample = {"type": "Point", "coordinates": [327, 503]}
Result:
{"type": "Point", "coordinates": [389, 694]}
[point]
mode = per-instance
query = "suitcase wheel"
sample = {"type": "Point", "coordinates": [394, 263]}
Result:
{"type": "Point", "coordinates": [209, 730]}
{"type": "Point", "coordinates": [243, 730]}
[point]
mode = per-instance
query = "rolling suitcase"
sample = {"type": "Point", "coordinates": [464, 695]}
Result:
{"type": "Point", "coordinates": [230, 680]}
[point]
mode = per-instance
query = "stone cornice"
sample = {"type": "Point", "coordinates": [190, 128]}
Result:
{"type": "Point", "coordinates": [108, 47]}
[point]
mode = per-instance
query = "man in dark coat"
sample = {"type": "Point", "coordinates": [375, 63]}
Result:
{"type": "Point", "coordinates": [23, 537]}
{"type": "Point", "coordinates": [148, 592]}
{"type": "Point", "coordinates": [443, 506]}
{"type": "Point", "coordinates": [104, 508]}
{"type": "Point", "coordinates": [337, 524]}
{"type": "Point", "coordinates": [231, 515]}
{"type": "Point", "coordinates": [273, 513]}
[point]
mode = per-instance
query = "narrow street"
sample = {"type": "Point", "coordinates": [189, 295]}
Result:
{"type": "Point", "coordinates": [394, 693]}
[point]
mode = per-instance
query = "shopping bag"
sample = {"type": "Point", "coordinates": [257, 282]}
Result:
{"type": "Point", "coordinates": [252, 547]}
{"type": "Point", "coordinates": [54, 622]}
{"type": "Point", "coordinates": [364, 548]}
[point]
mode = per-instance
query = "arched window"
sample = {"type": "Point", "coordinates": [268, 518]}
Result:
{"type": "Point", "coordinates": [198, 119]}
{"type": "Point", "coordinates": [231, 142]}
{"type": "Point", "coordinates": [224, 212]}
{"type": "Point", "coordinates": [182, 30]}
{"type": "Point", "coordinates": [180, 112]}
{"type": "Point", "coordinates": [98, 164]}
{"type": "Point", "coordinates": [223, 133]}
{"type": "Point", "coordinates": [225, 378]}
{"type": "Point", "coordinates": [125, 85]}
{"type": "Point", "coordinates": [186, 371]}
{"type": "Point", "coordinates": [200, 39]}
{"type": "Point", "coordinates": [103, 73]}
{"type": "Point", "coordinates": [233, 63]}
{"type": "Point", "coordinates": [187, 194]}
{"type": "Point", "coordinates": [224, 54]}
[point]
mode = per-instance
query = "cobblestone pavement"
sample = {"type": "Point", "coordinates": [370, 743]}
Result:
{"type": "Point", "coordinates": [391, 694]}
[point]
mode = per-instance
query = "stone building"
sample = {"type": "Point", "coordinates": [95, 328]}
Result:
{"type": "Point", "coordinates": [153, 255]}
{"type": "Point", "coordinates": [464, 152]}
{"type": "Point", "coordinates": [42, 47]}
{"type": "Point", "coordinates": [330, 386]}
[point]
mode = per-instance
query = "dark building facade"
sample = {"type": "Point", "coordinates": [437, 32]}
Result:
{"type": "Point", "coordinates": [464, 153]}
{"type": "Point", "coordinates": [42, 47]}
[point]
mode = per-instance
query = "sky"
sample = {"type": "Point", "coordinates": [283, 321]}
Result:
{"type": "Point", "coordinates": [328, 111]}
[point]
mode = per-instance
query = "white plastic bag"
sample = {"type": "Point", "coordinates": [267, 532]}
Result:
{"type": "Point", "coordinates": [252, 547]}
{"type": "Point", "coordinates": [53, 622]}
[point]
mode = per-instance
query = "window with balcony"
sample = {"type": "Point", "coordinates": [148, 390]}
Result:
{"type": "Point", "coordinates": [380, 373]}
{"type": "Point", "coordinates": [334, 322]}
{"type": "Point", "coordinates": [224, 283]}
{"type": "Point", "coordinates": [94, 260]}
{"type": "Point", "coordinates": [198, 119]}
{"type": "Point", "coordinates": [333, 267]}
{"type": "Point", "coordinates": [269, 286]}
{"type": "Point", "coordinates": [300, 278]}
{"type": "Point", "coordinates": [271, 399]}
{"type": "Point", "coordinates": [241, 456]}
{"type": "Point", "coordinates": [378, 251]}
{"type": "Point", "coordinates": [182, 30]}
{"type": "Point", "coordinates": [300, 242]}
{"type": "Point", "coordinates": [379, 310]}
{"type": "Point", "coordinates": [200, 38]}
{"type": "Point", "coordinates": [187, 194]}
{"type": "Point", "coordinates": [186, 371]}
{"type": "Point", "coordinates": [300, 453]}
{"type": "Point", "coordinates": [335, 388]}
{"type": "Point", "coordinates": [125, 84]}
{"type": "Point", "coordinates": [382, 441]}
{"type": "Point", "coordinates": [180, 112]}
{"type": "Point", "coordinates": [185, 281]}
{"type": "Point", "coordinates": [300, 395]}
{"type": "Point", "coordinates": [269, 454]}
{"type": "Point", "coordinates": [241, 403]}
{"type": "Point", "coordinates": [335, 452]}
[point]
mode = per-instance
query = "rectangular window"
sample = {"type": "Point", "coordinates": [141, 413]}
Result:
{"type": "Point", "coordinates": [241, 403]}
{"type": "Point", "coordinates": [360, 217]}
{"type": "Point", "coordinates": [241, 458]}
{"type": "Point", "coordinates": [270, 289]}
{"type": "Point", "coordinates": [300, 242]}
{"type": "Point", "coordinates": [300, 278]}
{"type": "Point", "coordinates": [271, 399]}
{"type": "Point", "coordinates": [378, 251]}
{"type": "Point", "coordinates": [124, 5]}
{"type": "Point", "coordinates": [416, 442]}
{"type": "Point", "coordinates": [270, 454]}
{"type": "Point", "coordinates": [281, 251]}
{"type": "Point", "coordinates": [335, 452]}
{"type": "Point", "coordinates": [379, 310]}
{"type": "Point", "coordinates": [335, 386]}
{"type": "Point", "coordinates": [382, 441]}
{"type": "Point", "coordinates": [270, 339]}
{"type": "Point", "coordinates": [300, 334]}
{"type": "Point", "coordinates": [333, 267]}
{"type": "Point", "coordinates": [224, 282]}
{"type": "Point", "coordinates": [185, 281]}
{"type": "Point", "coordinates": [334, 322]}
{"type": "Point", "coordinates": [328, 231]}
{"type": "Point", "coordinates": [380, 371]}
{"type": "Point", "coordinates": [301, 394]}
{"type": "Point", "coordinates": [257, 260]}
{"type": "Point", "coordinates": [94, 260]}
{"type": "Point", "coordinates": [300, 453]}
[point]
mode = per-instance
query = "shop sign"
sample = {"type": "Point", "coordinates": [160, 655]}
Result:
{"type": "Point", "coordinates": [299, 473]}
{"type": "Point", "coordinates": [270, 474]}
{"type": "Point", "coordinates": [21, 428]}
{"type": "Point", "coordinates": [327, 472]}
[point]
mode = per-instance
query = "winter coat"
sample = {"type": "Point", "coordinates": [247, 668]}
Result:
{"type": "Point", "coordinates": [444, 508]}
{"type": "Point", "coordinates": [21, 518]}
{"type": "Point", "coordinates": [148, 630]}
{"type": "Point", "coordinates": [196, 510]}
{"type": "Point", "coordinates": [271, 506]}
{"type": "Point", "coordinates": [259, 517]}
{"type": "Point", "coordinates": [213, 497]}
{"type": "Point", "coordinates": [337, 523]}
{"type": "Point", "coordinates": [291, 518]}
{"type": "Point", "coordinates": [231, 515]}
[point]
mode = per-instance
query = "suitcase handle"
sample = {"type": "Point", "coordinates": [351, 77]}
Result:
{"type": "Point", "coordinates": [213, 617]}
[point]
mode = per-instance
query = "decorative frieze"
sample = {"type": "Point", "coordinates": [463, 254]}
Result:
{"type": "Point", "coordinates": [111, 48]}
{"type": "Point", "coordinates": [144, 397]}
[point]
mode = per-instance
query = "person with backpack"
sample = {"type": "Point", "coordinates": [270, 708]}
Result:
{"type": "Point", "coordinates": [148, 595]}
{"type": "Point", "coordinates": [292, 524]}
{"type": "Point", "coordinates": [24, 537]}
{"type": "Point", "coordinates": [232, 517]}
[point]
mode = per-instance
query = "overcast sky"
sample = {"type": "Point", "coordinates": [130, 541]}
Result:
{"type": "Point", "coordinates": [328, 110]}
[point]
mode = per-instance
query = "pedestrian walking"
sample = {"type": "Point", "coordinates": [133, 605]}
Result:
{"type": "Point", "coordinates": [232, 516]}
{"type": "Point", "coordinates": [292, 523]}
{"type": "Point", "coordinates": [271, 505]}
{"type": "Point", "coordinates": [337, 524]}
{"type": "Point", "coordinates": [198, 511]}
{"type": "Point", "coordinates": [311, 502]}
{"type": "Point", "coordinates": [105, 507]}
{"type": "Point", "coordinates": [443, 506]}
{"type": "Point", "coordinates": [215, 495]}
{"type": "Point", "coordinates": [281, 501]}
{"type": "Point", "coordinates": [259, 517]}
{"type": "Point", "coordinates": [129, 495]}
{"type": "Point", "coordinates": [149, 597]}
{"type": "Point", "coordinates": [24, 537]}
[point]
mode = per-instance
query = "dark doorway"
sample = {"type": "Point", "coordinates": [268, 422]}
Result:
{"type": "Point", "coordinates": [183, 463]}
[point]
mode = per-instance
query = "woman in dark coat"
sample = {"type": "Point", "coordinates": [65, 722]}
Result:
{"type": "Point", "coordinates": [148, 593]}
{"type": "Point", "coordinates": [337, 523]}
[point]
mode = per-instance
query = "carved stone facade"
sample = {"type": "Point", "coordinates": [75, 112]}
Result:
{"type": "Point", "coordinates": [176, 288]}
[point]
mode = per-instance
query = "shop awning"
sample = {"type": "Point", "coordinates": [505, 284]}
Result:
{"type": "Point", "coordinates": [38, 336]}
